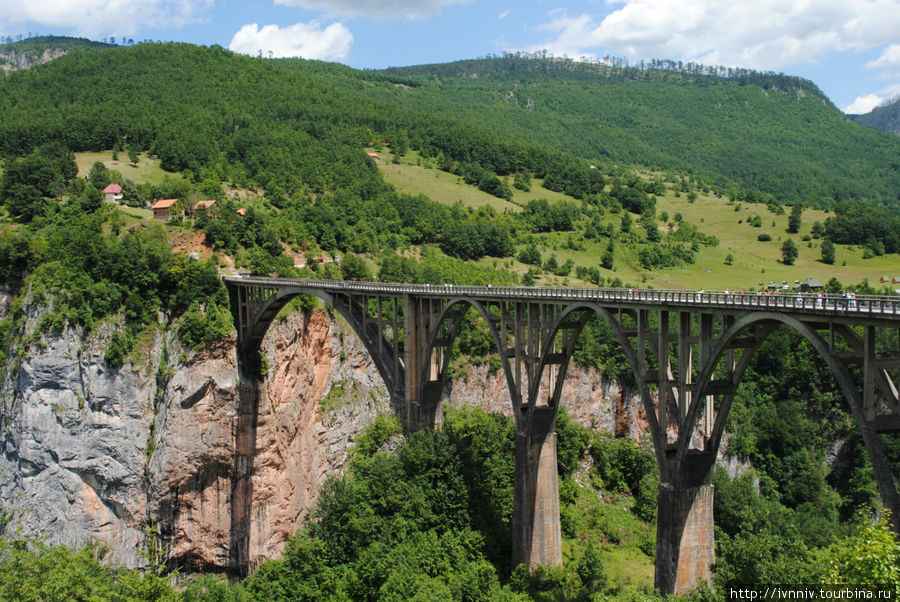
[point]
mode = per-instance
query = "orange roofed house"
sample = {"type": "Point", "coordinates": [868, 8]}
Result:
{"type": "Point", "coordinates": [162, 208]}
{"type": "Point", "coordinates": [205, 208]}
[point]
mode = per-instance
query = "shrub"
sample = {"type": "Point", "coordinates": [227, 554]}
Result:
{"type": "Point", "coordinates": [200, 326]}
{"type": "Point", "coordinates": [119, 346]}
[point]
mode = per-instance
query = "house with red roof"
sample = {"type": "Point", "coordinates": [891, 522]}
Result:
{"type": "Point", "coordinates": [205, 208]}
{"type": "Point", "coordinates": [112, 193]}
{"type": "Point", "coordinates": [164, 208]}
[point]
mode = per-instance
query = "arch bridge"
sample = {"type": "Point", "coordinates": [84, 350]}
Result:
{"type": "Point", "coordinates": [687, 349]}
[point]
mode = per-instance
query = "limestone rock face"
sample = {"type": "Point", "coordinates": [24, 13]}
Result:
{"type": "Point", "coordinates": [73, 445]}
{"type": "Point", "coordinates": [590, 399]}
{"type": "Point", "coordinates": [14, 61]}
{"type": "Point", "coordinates": [237, 464]}
{"type": "Point", "coordinates": [225, 466]}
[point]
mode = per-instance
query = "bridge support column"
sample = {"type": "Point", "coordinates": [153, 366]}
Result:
{"type": "Point", "coordinates": [537, 539]}
{"type": "Point", "coordinates": [425, 412]}
{"type": "Point", "coordinates": [685, 546]}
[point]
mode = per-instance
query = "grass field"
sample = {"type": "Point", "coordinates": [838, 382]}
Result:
{"type": "Point", "coordinates": [753, 261]}
{"type": "Point", "coordinates": [420, 176]}
{"type": "Point", "coordinates": [138, 212]}
{"type": "Point", "coordinates": [147, 170]}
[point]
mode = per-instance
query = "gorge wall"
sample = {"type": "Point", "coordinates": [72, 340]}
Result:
{"type": "Point", "coordinates": [224, 468]}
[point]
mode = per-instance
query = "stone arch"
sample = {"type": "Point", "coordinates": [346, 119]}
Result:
{"type": "Point", "coordinates": [769, 321]}
{"type": "Point", "coordinates": [262, 319]}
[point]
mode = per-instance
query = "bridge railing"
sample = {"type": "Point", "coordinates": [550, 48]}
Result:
{"type": "Point", "coordinates": [847, 303]}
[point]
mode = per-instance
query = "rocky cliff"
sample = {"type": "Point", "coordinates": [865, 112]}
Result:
{"type": "Point", "coordinates": [224, 467]}
{"type": "Point", "coordinates": [13, 60]}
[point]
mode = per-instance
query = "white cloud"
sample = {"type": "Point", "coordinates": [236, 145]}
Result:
{"type": "Point", "coordinates": [504, 14]}
{"type": "Point", "coordinates": [376, 9]}
{"type": "Point", "coordinates": [890, 57]}
{"type": "Point", "coordinates": [307, 40]}
{"type": "Point", "coordinates": [764, 34]}
{"type": "Point", "coordinates": [95, 18]}
{"type": "Point", "coordinates": [864, 104]}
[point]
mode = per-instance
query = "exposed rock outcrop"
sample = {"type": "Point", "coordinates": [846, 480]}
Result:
{"type": "Point", "coordinates": [13, 61]}
{"type": "Point", "coordinates": [224, 466]}
{"type": "Point", "coordinates": [73, 450]}
{"type": "Point", "coordinates": [92, 454]}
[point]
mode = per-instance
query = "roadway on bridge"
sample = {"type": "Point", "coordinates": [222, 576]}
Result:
{"type": "Point", "coordinates": [848, 304]}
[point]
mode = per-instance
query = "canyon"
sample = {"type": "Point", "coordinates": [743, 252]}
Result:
{"type": "Point", "coordinates": [177, 448]}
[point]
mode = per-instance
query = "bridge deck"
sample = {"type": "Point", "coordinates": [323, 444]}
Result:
{"type": "Point", "coordinates": [880, 307]}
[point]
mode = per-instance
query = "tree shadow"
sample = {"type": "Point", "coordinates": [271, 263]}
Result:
{"type": "Point", "coordinates": [241, 478]}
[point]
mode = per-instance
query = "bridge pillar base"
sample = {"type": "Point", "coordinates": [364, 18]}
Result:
{"type": "Point", "coordinates": [425, 413]}
{"type": "Point", "coordinates": [685, 547]}
{"type": "Point", "coordinates": [537, 539]}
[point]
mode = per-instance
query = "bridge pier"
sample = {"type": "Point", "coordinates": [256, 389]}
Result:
{"type": "Point", "coordinates": [536, 531]}
{"type": "Point", "coordinates": [685, 546]}
{"type": "Point", "coordinates": [426, 411]}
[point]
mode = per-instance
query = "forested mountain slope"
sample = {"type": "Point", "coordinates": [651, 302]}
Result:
{"type": "Point", "coordinates": [198, 107]}
{"type": "Point", "coordinates": [885, 117]}
{"type": "Point", "coordinates": [295, 131]}
{"type": "Point", "coordinates": [755, 131]}
{"type": "Point", "coordinates": [752, 132]}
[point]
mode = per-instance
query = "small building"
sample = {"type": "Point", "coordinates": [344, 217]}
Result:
{"type": "Point", "coordinates": [374, 156]}
{"type": "Point", "coordinates": [163, 208]}
{"type": "Point", "coordinates": [205, 208]}
{"type": "Point", "coordinates": [242, 212]}
{"type": "Point", "coordinates": [811, 285]}
{"type": "Point", "coordinates": [112, 193]}
{"type": "Point", "coordinates": [885, 279]}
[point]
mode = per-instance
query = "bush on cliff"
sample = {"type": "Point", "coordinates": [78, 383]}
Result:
{"type": "Point", "coordinates": [202, 325]}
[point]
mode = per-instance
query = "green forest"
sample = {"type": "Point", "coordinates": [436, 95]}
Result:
{"type": "Point", "coordinates": [431, 519]}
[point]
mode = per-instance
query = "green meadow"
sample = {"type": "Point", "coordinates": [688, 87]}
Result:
{"type": "Point", "coordinates": [146, 170]}
{"type": "Point", "coordinates": [752, 261]}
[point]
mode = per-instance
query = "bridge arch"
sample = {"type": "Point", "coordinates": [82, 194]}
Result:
{"type": "Point", "coordinates": [767, 323]}
{"type": "Point", "coordinates": [544, 324]}
{"type": "Point", "coordinates": [584, 311]}
{"type": "Point", "coordinates": [380, 349]}
{"type": "Point", "coordinates": [452, 318]}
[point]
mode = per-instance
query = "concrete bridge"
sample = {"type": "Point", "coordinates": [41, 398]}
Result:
{"type": "Point", "coordinates": [688, 351]}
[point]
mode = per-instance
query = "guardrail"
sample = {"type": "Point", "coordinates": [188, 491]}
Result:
{"type": "Point", "coordinates": [848, 303]}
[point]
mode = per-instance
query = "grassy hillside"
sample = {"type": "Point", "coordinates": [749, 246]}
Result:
{"type": "Point", "coordinates": [753, 262]}
{"type": "Point", "coordinates": [760, 133]}
{"type": "Point", "coordinates": [145, 171]}
{"type": "Point", "coordinates": [457, 146]}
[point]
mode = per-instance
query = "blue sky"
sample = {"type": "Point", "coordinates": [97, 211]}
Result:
{"type": "Point", "coordinates": [849, 48]}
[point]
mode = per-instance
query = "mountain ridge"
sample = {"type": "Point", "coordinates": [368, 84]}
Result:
{"type": "Point", "coordinates": [27, 53]}
{"type": "Point", "coordinates": [885, 117]}
{"type": "Point", "coordinates": [753, 132]}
